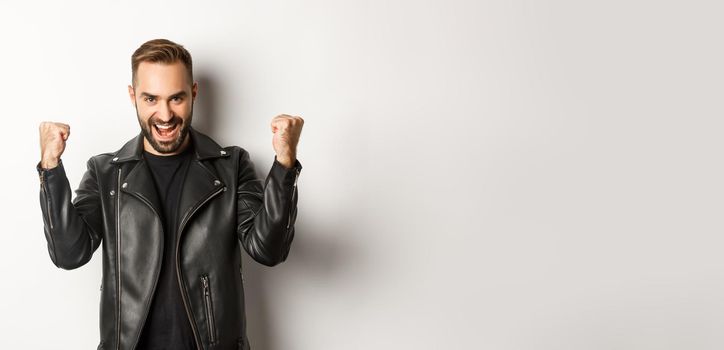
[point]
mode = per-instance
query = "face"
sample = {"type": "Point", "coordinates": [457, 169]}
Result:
{"type": "Point", "coordinates": [164, 101]}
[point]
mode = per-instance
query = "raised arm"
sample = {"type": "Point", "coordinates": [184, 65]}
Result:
{"type": "Point", "coordinates": [267, 212]}
{"type": "Point", "coordinates": [72, 228]}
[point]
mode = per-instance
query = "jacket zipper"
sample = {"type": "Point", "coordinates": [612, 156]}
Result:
{"type": "Point", "coordinates": [178, 268]}
{"type": "Point", "coordinates": [47, 200]}
{"type": "Point", "coordinates": [209, 308]}
{"type": "Point", "coordinates": [291, 204]}
{"type": "Point", "coordinates": [49, 214]}
{"type": "Point", "coordinates": [118, 259]}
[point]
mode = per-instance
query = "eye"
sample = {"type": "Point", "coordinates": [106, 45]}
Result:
{"type": "Point", "coordinates": [148, 99]}
{"type": "Point", "coordinates": [176, 99]}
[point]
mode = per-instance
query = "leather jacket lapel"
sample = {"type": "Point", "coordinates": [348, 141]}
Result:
{"type": "Point", "coordinates": [139, 183]}
{"type": "Point", "coordinates": [199, 185]}
{"type": "Point", "coordinates": [200, 182]}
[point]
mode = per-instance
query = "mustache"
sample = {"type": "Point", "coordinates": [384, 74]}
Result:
{"type": "Point", "coordinates": [172, 121]}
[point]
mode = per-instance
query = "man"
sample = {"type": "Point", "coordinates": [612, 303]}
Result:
{"type": "Point", "coordinates": [170, 207]}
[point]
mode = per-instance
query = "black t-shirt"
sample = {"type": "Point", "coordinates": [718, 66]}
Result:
{"type": "Point", "coordinates": [167, 325]}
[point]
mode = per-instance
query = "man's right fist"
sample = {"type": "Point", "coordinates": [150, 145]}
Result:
{"type": "Point", "coordinates": [52, 143]}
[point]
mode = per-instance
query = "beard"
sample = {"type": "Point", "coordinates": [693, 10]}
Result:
{"type": "Point", "coordinates": [166, 147]}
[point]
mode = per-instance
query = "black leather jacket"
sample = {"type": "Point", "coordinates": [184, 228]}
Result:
{"type": "Point", "coordinates": [223, 203]}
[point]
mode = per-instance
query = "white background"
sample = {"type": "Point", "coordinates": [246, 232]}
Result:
{"type": "Point", "coordinates": [477, 174]}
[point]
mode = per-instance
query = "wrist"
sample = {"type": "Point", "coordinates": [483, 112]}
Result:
{"type": "Point", "coordinates": [286, 161]}
{"type": "Point", "coordinates": [49, 163]}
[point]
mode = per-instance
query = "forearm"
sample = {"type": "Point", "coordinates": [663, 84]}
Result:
{"type": "Point", "coordinates": [70, 240]}
{"type": "Point", "coordinates": [268, 233]}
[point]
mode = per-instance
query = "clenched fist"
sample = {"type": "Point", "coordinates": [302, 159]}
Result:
{"type": "Point", "coordinates": [52, 143]}
{"type": "Point", "coordinates": [286, 129]}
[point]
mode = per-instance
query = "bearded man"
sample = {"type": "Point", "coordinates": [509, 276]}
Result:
{"type": "Point", "coordinates": [171, 207]}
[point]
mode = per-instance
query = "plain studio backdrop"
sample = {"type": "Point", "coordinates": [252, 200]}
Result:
{"type": "Point", "coordinates": [477, 174]}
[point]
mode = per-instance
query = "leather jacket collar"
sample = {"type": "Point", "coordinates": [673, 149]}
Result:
{"type": "Point", "coordinates": [204, 148]}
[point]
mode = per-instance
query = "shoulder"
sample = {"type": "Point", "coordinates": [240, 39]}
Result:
{"type": "Point", "coordinates": [106, 160]}
{"type": "Point", "coordinates": [237, 151]}
{"type": "Point", "coordinates": [101, 160]}
{"type": "Point", "coordinates": [207, 148]}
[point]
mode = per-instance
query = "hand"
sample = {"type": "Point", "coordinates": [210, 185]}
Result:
{"type": "Point", "coordinates": [52, 143]}
{"type": "Point", "coordinates": [286, 129]}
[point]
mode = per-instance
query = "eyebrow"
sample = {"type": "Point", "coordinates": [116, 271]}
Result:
{"type": "Point", "coordinates": [178, 94]}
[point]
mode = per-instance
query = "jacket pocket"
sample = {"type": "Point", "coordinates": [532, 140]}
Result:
{"type": "Point", "coordinates": [209, 308]}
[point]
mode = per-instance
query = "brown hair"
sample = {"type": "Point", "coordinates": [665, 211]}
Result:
{"type": "Point", "coordinates": [163, 51]}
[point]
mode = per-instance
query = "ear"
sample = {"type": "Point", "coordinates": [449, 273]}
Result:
{"type": "Point", "coordinates": [132, 94]}
{"type": "Point", "coordinates": [194, 90]}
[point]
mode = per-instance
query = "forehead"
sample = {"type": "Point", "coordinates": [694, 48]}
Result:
{"type": "Point", "coordinates": [159, 77]}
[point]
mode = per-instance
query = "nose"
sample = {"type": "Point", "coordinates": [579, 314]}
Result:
{"type": "Point", "coordinates": [164, 113]}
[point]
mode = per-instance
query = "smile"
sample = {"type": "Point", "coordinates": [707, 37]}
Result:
{"type": "Point", "coordinates": [166, 132]}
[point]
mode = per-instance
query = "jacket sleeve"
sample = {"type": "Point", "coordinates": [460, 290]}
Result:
{"type": "Point", "coordinates": [266, 212]}
{"type": "Point", "coordinates": [72, 228]}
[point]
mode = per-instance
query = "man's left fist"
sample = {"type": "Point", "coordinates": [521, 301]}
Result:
{"type": "Point", "coordinates": [286, 129]}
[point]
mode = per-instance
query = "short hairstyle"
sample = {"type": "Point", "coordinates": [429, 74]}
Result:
{"type": "Point", "coordinates": [163, 51]}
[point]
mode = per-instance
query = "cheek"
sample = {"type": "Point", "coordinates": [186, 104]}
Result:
{"type": "Point", "coordinates": [145, 112]}
{"type": "Point", "coordinates": [183, 111]}
{"type": "Point", "coordinates": [144, 116]}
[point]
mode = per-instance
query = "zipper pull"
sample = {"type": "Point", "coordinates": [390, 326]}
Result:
{"type": "Point", "coordinates": [296, 176]}
{"type": "Point", "coordinates": [205, 282]}
{"type": "Point", "coordinates": [291, 204]}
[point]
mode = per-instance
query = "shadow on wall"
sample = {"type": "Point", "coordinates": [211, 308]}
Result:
{"type": "Point", "coordinates": [314, 257]}
{"type": "Point", "coordinates": [309, 256]}
{"type": "Point", "coordinates": [205, 105]}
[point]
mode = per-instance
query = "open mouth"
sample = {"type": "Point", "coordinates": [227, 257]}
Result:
{"type": "Point", "coordinates": [166, 131]}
